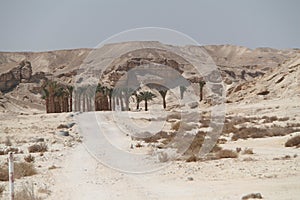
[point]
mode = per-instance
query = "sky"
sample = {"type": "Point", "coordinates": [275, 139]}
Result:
{"type": "Point", "coordinates": [36, 25]}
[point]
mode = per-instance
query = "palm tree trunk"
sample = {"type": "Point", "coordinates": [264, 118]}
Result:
{"type": "Point", "coordinates": [122, 103]}
{"type": "Point", "coordinates": [201, 93]}
{"type": "Point", "coordinates": [83, 103]}
{"type": "Point", "coordinates": [146, 105]}
{"type": "Point", "coordinates": [164, 102]}
{"type": "Point", "coordinates": [47, 104]}
{"type": "Point", "coordinates": [70, 103]}
{"type": "Point", "coordinates": [51, 104]}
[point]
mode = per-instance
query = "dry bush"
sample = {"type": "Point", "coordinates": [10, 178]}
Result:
{"type": "Point", "coordinates": [27, 193]}
{"type": "Point", "coordinates": [238, 149]}
{"type": "Point", "coordinates": [294, 141]}
{"type": "Point", "coordinates": [2, 189]}
{"type": "Point", "coordinates": [175, 126]}
{"type": "Point", "coordinates": [4, 173]}
{"type": "Point", "coordinates": [254, 132]}
{"type": "Point", "coordinates": [138, 145]}
{"type": "Point", "coordinates": [283, 119]}
{"type": "Point", "coordinates": [154, 138]}
{"type": "Point", "coordinates": [52, 167]}
{"type": "Point", "coordinates": [248, 151]}
{"type": "Point", "coordinates": [182, 126]}
{"type": "Point", "coordinates": [252, 196]}
{"type": "Point", "coordinates": [226, 153]}
{"type": "Point", "coordinates": [269, 119]}
{"type": "Point", "coordinates": [42, 147]}
{"type": "Point", "coordinates": [192, 158]}
{"type": "Point", "coordinates": [23, 169]}
{"type": "Point", "coordinates": [29, 158]}
{"type": "Point", "coordinates": [286, 157]}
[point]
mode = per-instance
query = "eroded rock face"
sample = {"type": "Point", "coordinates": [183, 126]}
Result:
{"type": "Point", "coordinates": [21, 73]}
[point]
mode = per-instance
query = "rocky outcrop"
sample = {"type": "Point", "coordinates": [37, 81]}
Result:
{"type": "Point", "coordinates": [20, 74]}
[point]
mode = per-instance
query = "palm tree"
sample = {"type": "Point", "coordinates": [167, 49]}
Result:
{"type": "Point", "coordinates": [162, 91]}
{"type": "Point", "coordinates": [163, 94]}
{"type": "Point", "coordinates": [182, 90]}
{"type": "Point", "coordinates": [70, 89]}
{"type": "Point", "coordinates": [201, 85]}
{"type": "Point", "coordinates": [45, 96]}
{"type": "Point", "coordinates": [146, 96]}
{"type": "Point", "coordinates": [52, 89]}
{"type": "Point", "coordinates": [109, 92]}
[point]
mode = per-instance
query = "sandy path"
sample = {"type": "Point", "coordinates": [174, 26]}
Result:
{"type": "Point", "coordinates": [83, 177]}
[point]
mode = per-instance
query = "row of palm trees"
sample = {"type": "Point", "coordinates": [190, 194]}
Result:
{"type": "Point", "coordinates": [59, 97]}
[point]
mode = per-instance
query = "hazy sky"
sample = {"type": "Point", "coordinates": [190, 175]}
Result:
{"type": "Point", "coordinates": [36, 25]}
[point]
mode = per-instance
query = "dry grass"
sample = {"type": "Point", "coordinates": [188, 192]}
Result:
{"type": "Point", "coordinates": [192, 158]}
{"type": "Point", "coordinates": [26, 193]}
{"type": "Point", "coordinates": [42, 147]}
{"type": "Point", "coordinates": [4, 173]}
{"type": "Point", "coordinates": [175, 126]}
{"type": "Point", "coordinates": [252, 196]}
{"type": "Point", "coordinates": [138, 145]}
{"type": "Point", "coordinates": [226, 153]}
{"type": "Point", "coordinates": [254, 132]}
{"type": "Point", "coordinates": [52, 167]}
{"type": "Point", "coordinates": [247, 151]}
{"type": "Point", "coordinates": [29, 158]}
{"type": "Point", "coordinates": [294, 141]}
{"type": "Point", "coordinates": [23, 169]}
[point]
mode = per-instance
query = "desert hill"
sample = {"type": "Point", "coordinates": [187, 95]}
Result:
{"type": "Point", "coordinates": [258, 74]}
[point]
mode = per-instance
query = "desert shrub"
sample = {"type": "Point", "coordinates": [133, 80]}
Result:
{"type": "Point", "coordinates": [29, 158]}
{"type": "Point", "coordinates": [4, 173]}
{"type": "Point", "coordinates": [138, 145]}
{"type": "Point", "coordinates": [269, 119]}
{"type": "Point", "coordinates": [229, 127]}
{"type": "Point", "coordinates": [248, 151]}
{"type": "Point", "coordinates": [294, 141]}
{"type": "Point", "coordinates": [52, 167]}
{"type": "Point", "coordinates": [283, 119]}
{"type": "Point", "coordinates": [226, 153]}
{"type": "Point", "coordinates": [42, 147]}
{"type": "Point", "coordinates": [252, 196]}
{"type": "Point", "coordinates": [222, 141]}
{"type": "Point", "coordinates": [182, 126]}
{"type": "Point", "coordinates": [23, 169]}
{"type": "Point", "coordinates": [175, 126]}
{"type": "Point", "coordinates": [154, 138]}
{"type": "Point", "coordinates": [26, 193]}
{"type": "Point", "coordinates": [192, 158]}
{"type": "Point", "coordinates": [238, 149]}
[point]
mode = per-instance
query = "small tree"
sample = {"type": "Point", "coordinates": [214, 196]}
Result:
{"type": "Point", "coordinates": [146, 96]}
